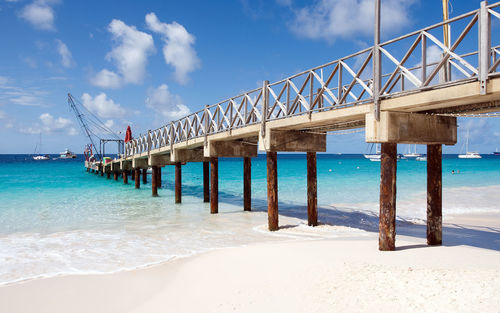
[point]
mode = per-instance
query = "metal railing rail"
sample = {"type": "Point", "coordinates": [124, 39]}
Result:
{"type": "Point", "coordinates": [408, 63]}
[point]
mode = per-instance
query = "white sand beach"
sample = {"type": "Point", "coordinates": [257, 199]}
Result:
{"type": "Point", "coordinates": [348, 274]}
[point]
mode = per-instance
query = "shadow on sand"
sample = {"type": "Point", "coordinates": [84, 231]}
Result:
{"type": "Point", "coordinates": [453, 234]}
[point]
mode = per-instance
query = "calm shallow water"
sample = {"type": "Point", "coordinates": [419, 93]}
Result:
{"type": "Point", "coordinates": [56, 218]}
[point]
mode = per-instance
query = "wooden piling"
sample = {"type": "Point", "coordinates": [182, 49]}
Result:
{"type": "Point", "coordinates": [125, 177]}
{"type": "Point", "coordinates": [387, 218]}
{"type": "Point", "coordinates": [272, 190]}
{"type": "Point", "coordinates": [158, 176]}
{"type": "Point", "coordinates": [144, 175]}
{"type": "Point", "coordinates": [214, 185]}
{"type": "Point", "coordinates": [178, 182]}
{"type": "Point", "coordinates": [108, 175]}
{"type": "Point", "coordinates": [206, 182]}
{"type": "Point", "coordinates": [434, 195]}
{"type": "Point", "coordinates": [101, 169]}
{"type": "Point", "coordinates": [115, 175]}
{"type": "Point", "coordinates": [247, 184]}
{"type": "Point", "coordinates": [137, 178]}
{"type": "Point", "coordinates": [154, 181]}
{"type": "Point", "coordinates": [312, 190]}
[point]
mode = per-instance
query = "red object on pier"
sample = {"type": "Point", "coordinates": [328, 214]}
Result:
{"type": "Point", "coordinates": [128, 134]}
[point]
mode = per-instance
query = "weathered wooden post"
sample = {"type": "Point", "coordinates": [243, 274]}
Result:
{"type": "Point", "coordinates": [158, 176]}
{"type": "Point", "coordinates": [214, 185]}
{"type": "Point", "coordinates": [154, 181]}
{"type": "Point", "coordinates": [108, 175]}
{"type": "Point", "coordinates": [178, 182]}
{"type": "Point", "coordinates": [272, 190]}
{"type": "Point", "coordinates": [101, 169]}
{"type": "Point", "coordinates": [206, 182]}
{"type": "Point", "coordinates": [137, 177]}
{"type": "Point", "coordinates": [247, 184]}
{"type": "Point", "coordinates": [312, 190]}
{"type": "Point", "coordinates": [115, 175]}
{"type": "Point", "coordinates": [434, 195]}
{"type": "Point", "coordinates": [387, 218]}
{"type": "Point", "coordinates": [125, 177]}
{"type": "Point", "coordinates": [144, 175]}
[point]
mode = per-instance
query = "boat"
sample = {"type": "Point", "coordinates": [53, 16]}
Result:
{"type": "Point", "coordinates": [38, 148]}
{"type": "Point", "coordinates": [376, 157]}
{"type": "Point", "coordinates": [421, 158]}
{"type": "Point", "coordinates": [469, 154]}
{"type": "Point", "coordinates": [413, 154]}
{"type": "Point", "coordinates": [41, 157]}
{"type": "Point", "coordinates": [496, 152]}
{"type": "Point", "coordinates": [67, 155]}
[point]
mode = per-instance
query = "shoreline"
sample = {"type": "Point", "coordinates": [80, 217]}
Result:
{"type": "Point", "coordinates": [472, 221]}
{"type": "Point", "coordinates": [297, 275]}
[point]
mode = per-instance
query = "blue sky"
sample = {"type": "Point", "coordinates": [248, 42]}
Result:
{"type": "Point", "coordinates": [144, 63]}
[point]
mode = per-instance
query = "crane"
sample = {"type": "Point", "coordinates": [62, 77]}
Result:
{"type": "Point", "coordinates": [93, 129]}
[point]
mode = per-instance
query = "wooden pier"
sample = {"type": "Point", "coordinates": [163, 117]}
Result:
{"type": "Point", "coordinates": [398, 104]}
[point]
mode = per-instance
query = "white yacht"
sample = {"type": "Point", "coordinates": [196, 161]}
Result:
{"type": "Point", "coordinates": [469, 154]}
{"type": "Point", "coordinates": [67, 154]}
{"type": "Point", "coordinates": [38, 148]}
{"type": "Point", "coordinates": [413, 154]}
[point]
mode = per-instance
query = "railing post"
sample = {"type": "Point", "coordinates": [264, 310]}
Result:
{"type": "Point", "coordinates": [265, 105]}
{"type": "Point", "coordinates": [377, 78]}
{"type": "Point", "coordinates": [149, 142]}
{"type": "Point", "coordinates": [205, 139]}
{"type": "Point", "coordinates": [172, 137]}
{"type": "Point", "coordinates": [484, 46]}
{"type": "Point", "coordinates": [423, 42]}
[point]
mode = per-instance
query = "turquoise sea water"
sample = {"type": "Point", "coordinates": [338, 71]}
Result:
{"type": "Point", "coordinates": [55, 218]}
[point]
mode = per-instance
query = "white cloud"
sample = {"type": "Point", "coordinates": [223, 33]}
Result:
{"type": "Point", "coordinates": [66, 57]}
{"type": "Point", "coordinates": [49, 124]}
{"type": "Point", "coordinates": [178, 50]}
{"type": "Point", "coordinates": [109, 123]}
{"type": "Point", "coordinates": [2, 115]}
{"type": "Point", "coordinates": [107, 79]}
{"type": "Point", "coordinates": [330, 19]}
{"type": "Point", "coordinates": [27, 100]}
{"type": "Point", "coordinates": [40, 14]}
{"type": "Point", "coordinates": [4, 80]}
{"type": "Point", "coordinates": [163, 101]}
{"type": "Point", "coordinates": [130, 54]}
{"type": "Point", "coordinates": [102, 105]}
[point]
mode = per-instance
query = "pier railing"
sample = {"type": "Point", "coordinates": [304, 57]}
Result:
{"type": "Point", "coordinates": [409, 64]}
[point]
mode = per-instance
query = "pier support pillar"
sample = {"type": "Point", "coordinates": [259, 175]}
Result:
{"type": "Point", "coordinates": [137, 177]}
{"type": "Point", "coordinates": [108, 175]}
{"type": "Point", "coordinates": [247, 184]}
{"type": "Point", "coordinates": [272, 190]}
{"type": "Point", "coordinates": [178, 182]}
{"type": "Point", "coordinates": [101, 169]}
{"type": "Point", "coordinates": [206, 182]}
{"type": "Point", "coordinates": [214, 185]}
{"type": "Point", "coordinates": [387, 218]}
{"type": "Point", "coordinates": [158, 176]}
{"type": "Point", "coordinates": [115, 175]}
{"type": "Point", "coordinates": [125, 177]}
{"type": "Point", "coordinates": [434, 195]}
{"type": "Point", "coordinates": [312, 190]}
{"type": "Point", "coordinates": [144, 175]}
{"type": "Point", "coordinates": [154, 181]}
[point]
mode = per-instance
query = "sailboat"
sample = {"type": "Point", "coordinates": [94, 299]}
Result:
{"type": "Point", "coordinates": [40, 157]}
{"type": "Point", "coordinates": [469, 154]}
{"type": "Point", "coordinates": [374, 157]}
{"type": "Point", "coordinates": [410, 154]}
{"type": "Point", "coordinates": [496, 152]}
